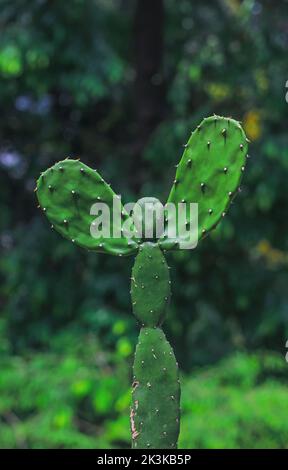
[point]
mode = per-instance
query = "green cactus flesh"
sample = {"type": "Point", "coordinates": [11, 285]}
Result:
{"type": "Point", "coordinates": [150, 285]}
{"type": "Point", "coordinates": [155, 411]}
{"type": "Point", "coordinates": [66, 193]}
{"type": "Point", "coordinates": [210, 171]}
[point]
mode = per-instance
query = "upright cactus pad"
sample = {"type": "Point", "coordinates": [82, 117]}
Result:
{"type": "Point", "coordinates": [150, 285]}
{"type": "Point", "coordinates": [208, 174]}
{"type": "Point", "coordinates": [66, 193]}
{"type": "Point", "coordinates": [210, 171]}
{"type": "Point", "coordinates": [155, 413]}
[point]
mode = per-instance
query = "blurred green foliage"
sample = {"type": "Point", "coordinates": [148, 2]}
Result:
{"type": "Point", "coordinates": [239, 404]}
{"type": "Point", "coordinates": [79, 397]}
{"type": "Point", "coordinates": [69, 74]}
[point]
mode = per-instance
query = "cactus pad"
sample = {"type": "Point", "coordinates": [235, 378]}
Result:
{"type": "Point", "coordinates": [66, 193]}
{"type": "Point", "coordinates": [210, 171]}
{"type": "Point", "coordinates": [150, 285]}
{"type": "Point", "coordinates": [155, 412]}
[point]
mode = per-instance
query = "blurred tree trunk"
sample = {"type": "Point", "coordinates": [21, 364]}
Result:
{"type": "Point", "coordinates": [149, 82]}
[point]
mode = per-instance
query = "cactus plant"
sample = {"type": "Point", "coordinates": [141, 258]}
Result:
{"type": "Point", "coordinates": [208, 174]}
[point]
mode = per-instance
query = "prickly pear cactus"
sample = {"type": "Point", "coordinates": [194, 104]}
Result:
{"type": "Point", "coordinates": [209, 175]}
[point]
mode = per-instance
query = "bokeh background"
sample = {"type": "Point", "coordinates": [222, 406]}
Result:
{"type": "Point", "coordinates": [121, 84]}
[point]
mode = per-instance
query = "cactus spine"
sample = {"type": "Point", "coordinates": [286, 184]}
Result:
{"type": "Point", "coordinates": [208, 174]}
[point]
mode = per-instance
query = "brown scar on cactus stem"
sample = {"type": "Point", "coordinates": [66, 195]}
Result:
{"type": "Point", "coordinates": [134, 431]}
{"type": "Point", "coordinates": [135, 384]}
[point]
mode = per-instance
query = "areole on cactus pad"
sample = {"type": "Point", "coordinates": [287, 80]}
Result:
{"type": "Point", "coordinates": [209, 175]}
